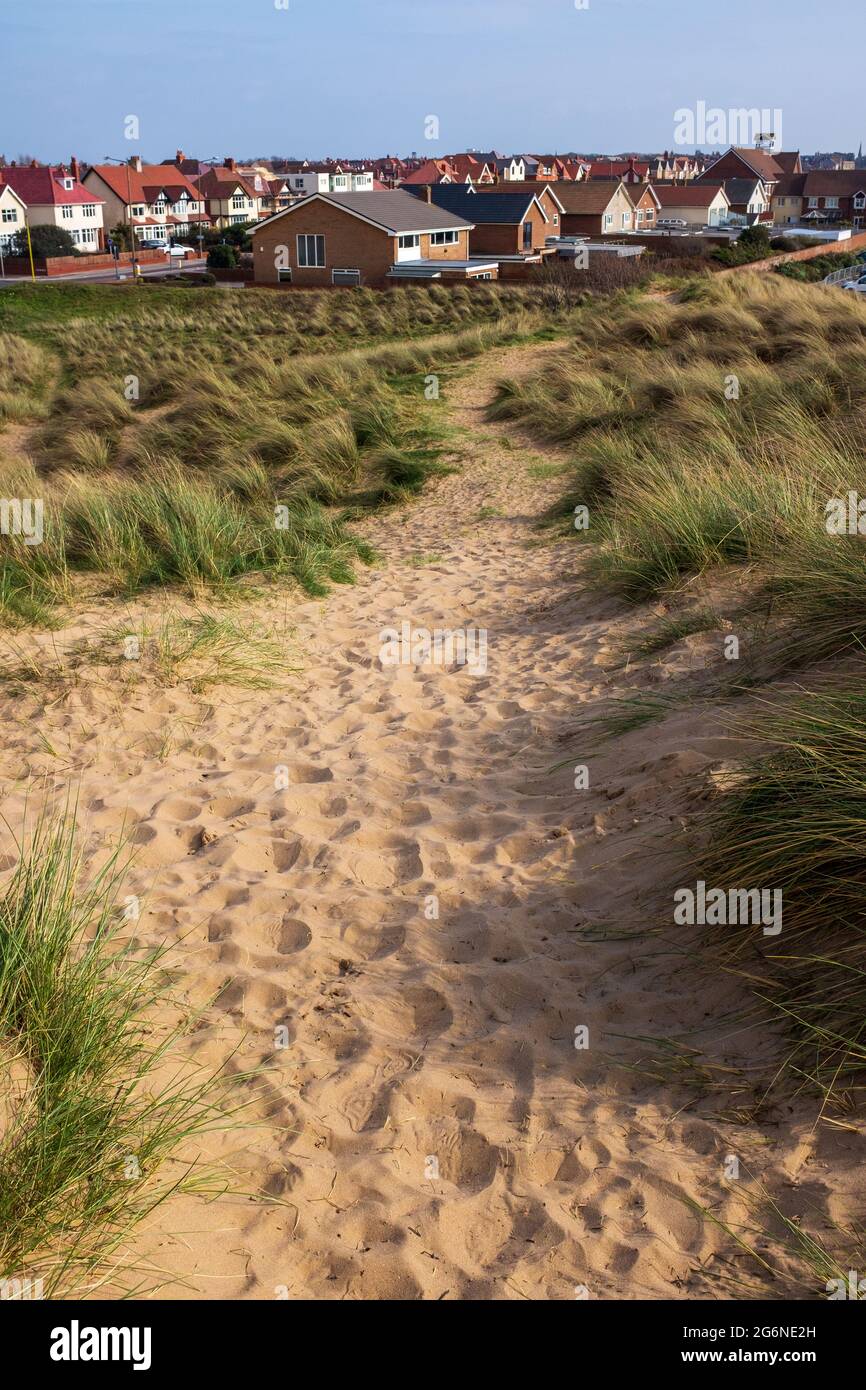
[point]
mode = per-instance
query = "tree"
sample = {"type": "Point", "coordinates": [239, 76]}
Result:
{"type": "Point", "coordinates": [122, 235]}
{"type": "Point", "coordinates": [46, 241]}
{"type": "Point", "coordinates": [222, 258]}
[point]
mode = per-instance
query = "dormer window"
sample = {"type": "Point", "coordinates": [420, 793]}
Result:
{"type": "Point", "coordinates": [69, 183]}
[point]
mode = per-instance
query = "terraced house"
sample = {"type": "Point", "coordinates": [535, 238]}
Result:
{"type": "Point", "coordinates": [375, 239]}
{"type": "Point", "coordinates": [156, 200]}
{"type": "Point", "coordinates": [55, 196]}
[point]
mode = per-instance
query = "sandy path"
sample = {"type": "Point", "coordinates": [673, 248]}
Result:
{"type": "Point", "coordinates": [431, 1130]}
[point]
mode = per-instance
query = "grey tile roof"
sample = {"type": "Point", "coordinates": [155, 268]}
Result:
{"type": "Point", "coordinates": [397, 211]}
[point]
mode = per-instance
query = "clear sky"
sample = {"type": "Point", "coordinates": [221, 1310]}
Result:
{"type": "Point", "coordinates": [360, 77]}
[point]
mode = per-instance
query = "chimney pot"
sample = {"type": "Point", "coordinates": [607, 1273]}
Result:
{"type": "Point", "coordinates": [135, 163]}
{"type": "Point", "coordinates": [179, 156]}
{"type": "Point", "coordinates": [230, 164]}
{"type": "Point", "coordinates": [75, 167]}
{"type": "Point", "coordinates": [33, 164]}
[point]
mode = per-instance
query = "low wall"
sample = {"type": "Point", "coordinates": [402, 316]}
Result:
{"type": "Point", "coordinates": [74, 265]}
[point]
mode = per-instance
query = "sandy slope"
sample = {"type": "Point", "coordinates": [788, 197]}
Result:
{"type": "Point", "coordinates": [419, 1046]}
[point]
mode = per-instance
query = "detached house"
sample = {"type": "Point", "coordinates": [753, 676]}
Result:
{"type": "Point", "coordinates": [595, 207]}
{"type": "Point", "coordinates": [507, 221]}
{"type": "Point", "coordinates": [767, 165]}
{"type": "Point", "coordinates": [545, 193]}
{"type": "Point", "coordinates": [699, 204]}
{"type": "Point", "coordinates": [156, 200]}
{"type": "Point", "coordinates": [56, 197]}
{"type": "Point", "coordinates": [374, 239]}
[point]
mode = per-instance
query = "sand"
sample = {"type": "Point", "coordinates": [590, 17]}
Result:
{"type": "Point", "coordinates": [430, 912]}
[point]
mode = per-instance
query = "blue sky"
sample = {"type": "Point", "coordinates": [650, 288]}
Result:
{"type": "Point", "coordinates": [359, 77]}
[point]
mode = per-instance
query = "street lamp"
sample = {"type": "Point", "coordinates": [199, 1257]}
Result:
{"type": "Point", "coordinates": [111, 159]}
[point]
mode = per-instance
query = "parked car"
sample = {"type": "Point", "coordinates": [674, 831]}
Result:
{"type": "Point", "coordinates": [153, 244]}
{"type": "Point", "coordinates": [858, 285]}
{"type": "Point", "coordinates": [674, 223]}
{"type": "Point", "coordinates": [178, 250]}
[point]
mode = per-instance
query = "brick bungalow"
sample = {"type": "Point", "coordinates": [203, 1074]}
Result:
{"type": "Point", "coordinates": [508, 220]}
{"type": "Point", "coordinates": [546, 194]}
{"type": "Point", "coordinates": [374, 239]}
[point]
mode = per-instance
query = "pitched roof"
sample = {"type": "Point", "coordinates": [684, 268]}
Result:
{"type": "Point", "coordinates": [788, 161]}
{"type": "Point", "coordinates": [505, 205]}
{"type": "Point", "coordinates": [394, 211]}
{"type": "Point", "coordinates": [219, 181]}
{"type": "Point", "coordinates": [741, 190]}
{"type": "Point", "coordinates": [790, 186]}
{"type": "Point", "coordinates": [834, 183]}
{"type": "Point", "coordinates": [524, 186]}
{"type": "Point", "coordinates": [687, 195]}
{"type": "Point", "coordinates": [587, 196]}
{"type": "Point", "coordinates": [43, 186]}
{"type": "Point", "coordinates": [123, 178]}
{"type": "Point", "coordinates": [761, 162]}
{"type": "Point", "coordinates": [432, 171]}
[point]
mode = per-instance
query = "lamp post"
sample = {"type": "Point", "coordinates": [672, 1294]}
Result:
{"type": "Point", "coordinates": [112, 159]}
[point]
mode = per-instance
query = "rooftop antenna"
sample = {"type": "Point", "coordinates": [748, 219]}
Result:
{"type": "Point", "coordinates": [766, 139]}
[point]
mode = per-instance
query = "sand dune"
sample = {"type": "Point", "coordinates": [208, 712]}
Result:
{"type": "Point", "coordinates": [431, 913]}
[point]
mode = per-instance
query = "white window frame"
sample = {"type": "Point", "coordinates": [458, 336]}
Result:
{"type": "Point", "coordinates": [284, 275]}
{"type": "Point", "coordinates": [451, 237]}
{"type": "Point", "coordinates": [346, 270]}
{"type": "Point", "coordinates": [303, 262]}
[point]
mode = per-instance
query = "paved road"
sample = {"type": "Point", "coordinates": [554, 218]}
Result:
{"type": "Point", "coordinates": [107, 277]}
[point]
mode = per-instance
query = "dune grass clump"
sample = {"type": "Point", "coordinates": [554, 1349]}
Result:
{"type": "Point", "coordinates": [26, 373]}
{"type": "Point", "coordinates": [91, 1105]}
{"type": "Point", "coordinates": [713, 432]}
{"type": "Point", "coordinates": [796, 821]}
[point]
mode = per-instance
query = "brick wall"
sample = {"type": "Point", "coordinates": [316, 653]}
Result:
{"type": "Point", "coordinates": [829, 248]}
{"type": "Point", "coordinates": [73, 265]}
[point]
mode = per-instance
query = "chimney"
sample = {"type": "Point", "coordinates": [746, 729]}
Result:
{"type": "Point", "coordinates": [230, 164]}
{"type": "Point", "coordinates": [179, 156]}
{"type": "Point", "coordinates": [135, 163]}
{"type": "Point", "coordinates": [33, 164]}
{"type": "Point", "coordinates": [74, 168]}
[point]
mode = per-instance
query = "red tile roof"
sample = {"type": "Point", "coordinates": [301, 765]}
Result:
{"type": "Point", "coordinates": [123, 179]}
{"type": "Point", "coordinates": [686, 195]}
{"type": "Point", "coordinates": [43, 187]}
